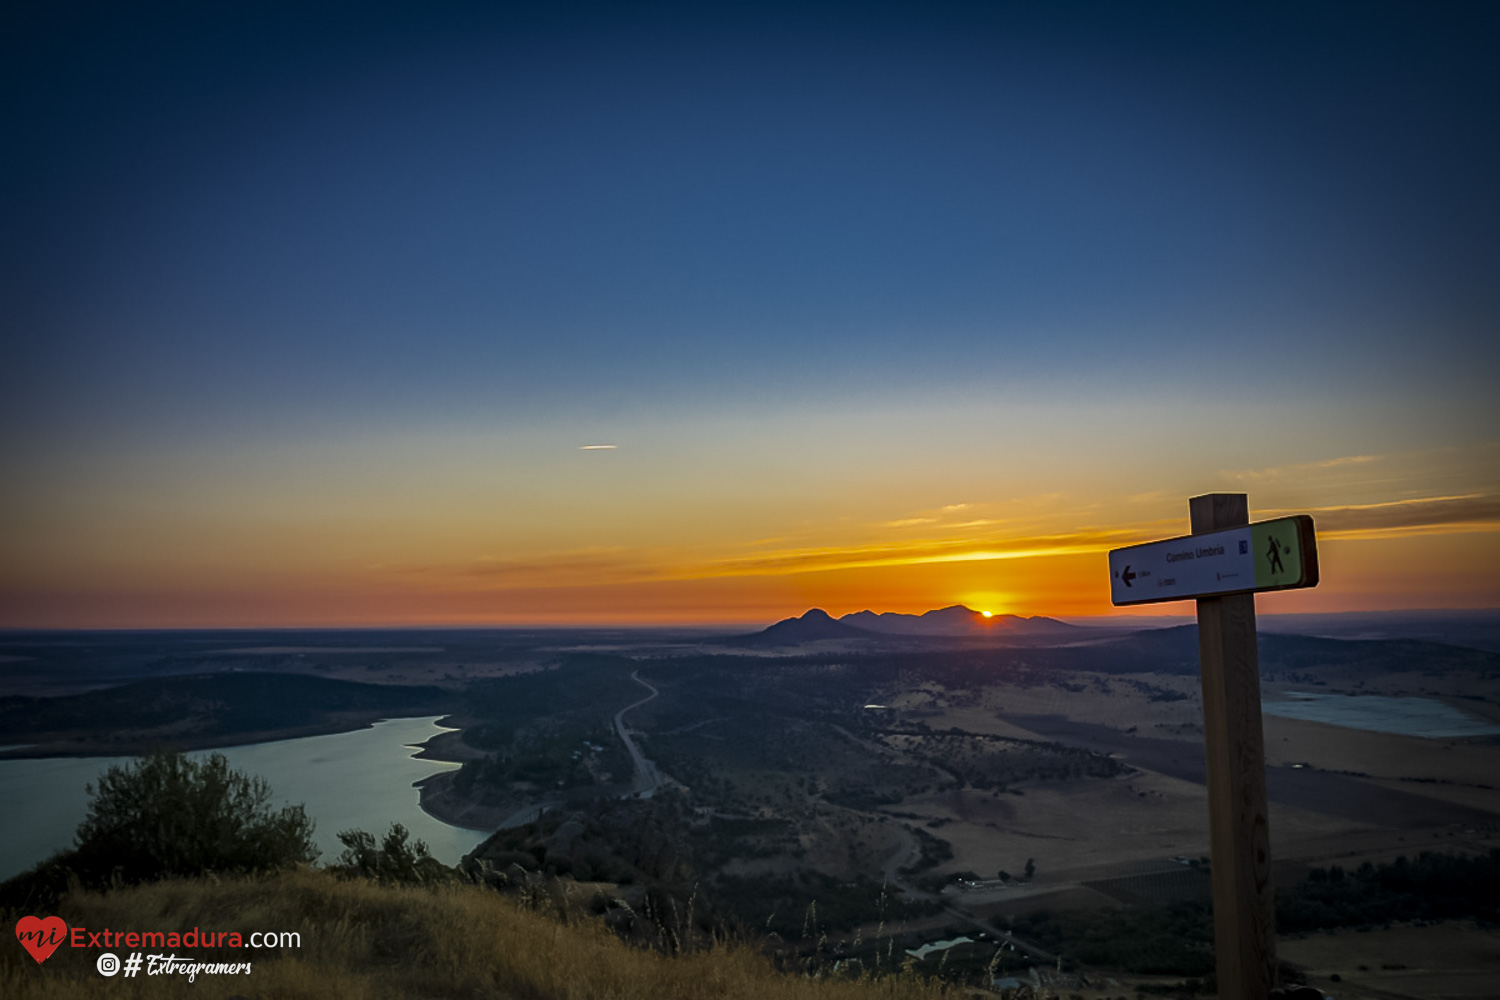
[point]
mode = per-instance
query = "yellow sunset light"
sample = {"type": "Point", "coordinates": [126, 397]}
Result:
{"type": "Point", "coordinates": [987, 603]}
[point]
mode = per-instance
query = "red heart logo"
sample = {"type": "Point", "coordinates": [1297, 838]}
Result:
{"type": "Point", "coordinates": [41, 937]}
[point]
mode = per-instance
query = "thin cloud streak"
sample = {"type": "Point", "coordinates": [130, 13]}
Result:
{"type": "Point", "coordinates": [1470, 512]}
{"type": "Point", "coordinates": [613, 566]}
{"type": "Point", "coordinates": [940, 515]}
{"type": "Point", "coordinates": [590, 567]}
{"type": "Point", "coordinates": [917, 553]}
{"type": "Point", "coordinates": [1301, 468]}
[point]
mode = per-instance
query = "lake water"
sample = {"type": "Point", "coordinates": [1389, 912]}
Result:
{"type": "Point", "coordinates": [1382, 714]}
{"type": "Point", "coordinates": [358, 780]}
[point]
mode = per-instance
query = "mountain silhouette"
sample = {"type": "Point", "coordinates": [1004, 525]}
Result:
{"type": "Point", "coordinates": [952, 622]}
{"type": "Point", "coordinates": [812, 626]}
{"type": "Point", "coordinates": [955, 621]}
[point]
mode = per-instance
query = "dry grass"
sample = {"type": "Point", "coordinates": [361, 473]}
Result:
{"type": "Point", "coordinates": [361, 941]}
{"type": "Point", "coordinates": [1384, 755]}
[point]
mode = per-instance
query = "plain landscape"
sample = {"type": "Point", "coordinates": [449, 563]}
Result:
{"type": "Point", "coordinates": [949, 787]}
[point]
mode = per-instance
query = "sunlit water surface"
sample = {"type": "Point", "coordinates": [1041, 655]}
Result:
{"type": "Point", "coordinates": [1405, 716]}
{"type": "Point", "coordinates": [358, 780]}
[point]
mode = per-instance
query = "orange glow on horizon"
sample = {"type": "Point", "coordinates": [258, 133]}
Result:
{"type": "Point", "coordinates": [1442, 571]}
{"type": "Point", "coordinates": [561, 551]}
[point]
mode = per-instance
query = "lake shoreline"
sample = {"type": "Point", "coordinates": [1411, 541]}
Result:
{"type": "Point", "coordinates": [1422, 716]}
{"type": "Point", "coordinates": [438, 799]}
{"type": "Point", "coordinates": [359, 778]}
{"type": "Point", "coordinates": [87, 746]}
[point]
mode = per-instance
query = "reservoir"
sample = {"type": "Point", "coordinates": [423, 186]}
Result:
{"type": "Point", "coordinates": [346, 781]}
{"type": "Point", "coordinates": [1406, 716]}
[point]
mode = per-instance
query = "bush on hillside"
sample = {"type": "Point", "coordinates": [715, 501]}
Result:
{"type": "Point", "coordinates": [398, 860]}
{"type": "Point", "coordinates": [167, 815]}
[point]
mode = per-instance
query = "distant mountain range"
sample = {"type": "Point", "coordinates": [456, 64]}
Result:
{"type": "Point", "coordinates": [813, 626]}
{"type": "Point", "coordinates": [953, 622]}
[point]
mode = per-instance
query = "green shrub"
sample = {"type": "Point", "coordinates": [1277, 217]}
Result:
{"type": "Point", "coordinates": [397, 861]}
{"type": "Point", "coordinates": [167, 815]}
{"type": "Point", "coordinates": [163, 816]}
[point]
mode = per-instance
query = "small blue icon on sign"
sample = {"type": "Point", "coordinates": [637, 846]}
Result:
{"type": "Point", "coordinates": [1244, 548]}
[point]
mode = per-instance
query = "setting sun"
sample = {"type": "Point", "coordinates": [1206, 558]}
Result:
{"type": "Point", "coordinates": [988, 614]}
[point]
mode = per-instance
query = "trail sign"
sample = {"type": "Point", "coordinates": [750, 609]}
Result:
{"type": "Point", "coordinates": [1223, 564]}
{"type": "Point", "coordinates": [1270, 555]}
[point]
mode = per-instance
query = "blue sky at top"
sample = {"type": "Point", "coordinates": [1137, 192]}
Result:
{"type": "Point", "coordinates": [358, 210]}
{"type": "Point", "coordinates": [354, 271]}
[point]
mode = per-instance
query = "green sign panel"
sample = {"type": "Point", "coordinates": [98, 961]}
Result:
{"type": "Point", "coordinates": [1277, 548]}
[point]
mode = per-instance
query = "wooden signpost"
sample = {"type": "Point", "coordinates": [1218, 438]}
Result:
{"type": "Point", "coordinates": [1223, 564]}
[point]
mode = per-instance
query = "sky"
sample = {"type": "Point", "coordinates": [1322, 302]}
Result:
{"type": "Point", "coordinates": [313, 314]}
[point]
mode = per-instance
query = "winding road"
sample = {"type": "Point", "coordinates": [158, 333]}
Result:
{"type": "Point", "coordinates": [643, 782]}
{"type": "Point", "coordinates": [646, 780]}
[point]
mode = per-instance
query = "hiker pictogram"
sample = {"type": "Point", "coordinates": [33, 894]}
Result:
{"type": "Point", "coordinates": [1274, 554]}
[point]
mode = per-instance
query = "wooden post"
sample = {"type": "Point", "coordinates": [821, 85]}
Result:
{"type": "Point", "coordinates": [1244, 903]}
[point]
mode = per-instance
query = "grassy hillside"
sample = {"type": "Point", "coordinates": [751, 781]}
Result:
{"type": "Point", "coordinates": [360, 940]}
